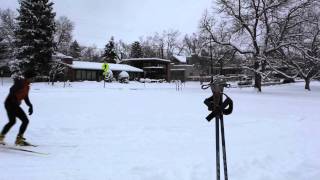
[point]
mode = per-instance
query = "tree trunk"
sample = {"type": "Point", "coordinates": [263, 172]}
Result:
{"type": "Point", "coordinates": [52, 80]}
{"type": "Point", "coordinates": [221, 68]}
{"type": "Point", "coordinates": [257, 81]}
{"type": "Point", "coordinates": [257, 77]}
{"type": "Point", "coordinates": [307, 85]}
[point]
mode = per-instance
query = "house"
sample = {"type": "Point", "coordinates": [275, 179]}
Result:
{"type": "Point", "coordinates": [92, 71]}
{"type": "Point", "coordinates": [154, 68]}
{"type": "Point", "coordinates": [57, 56]}
{"type": "Point", "coordinates": [180, 70]}
{"type": "Point", "coordinates": [202, 67]}
{"type": "Point", "coordinates": [176, 59]}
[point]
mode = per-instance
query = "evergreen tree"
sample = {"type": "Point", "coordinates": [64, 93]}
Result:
{"type": "Point", "coordinates": [110, 54]}
{"type": "Point", "coordinates": [136, 50]}
{"type": "Point", "coordinates": [35, 35]}
{"type": "Point", "coordinates": [4, 50]}
{"type": "Point", "coordinates": [75, 50]}
{"type": "Point", "coordinates": [7, 27]}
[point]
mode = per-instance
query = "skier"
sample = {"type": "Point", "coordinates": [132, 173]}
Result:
{"type": "Point", "coordinates": [18, 92]}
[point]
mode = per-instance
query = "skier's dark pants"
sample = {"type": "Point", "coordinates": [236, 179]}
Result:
{"type": "Point", "coordinates": [14, 111]}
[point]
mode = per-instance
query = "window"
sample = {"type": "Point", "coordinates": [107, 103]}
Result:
{"type": "Point", "coordinates": [89, 75]}
{"type": "Point", "coordinates": [94, 75]}
{"type": "Point", "coordinates": [78, 75]}
{"type": "Point", "coordinates": [83, 75]}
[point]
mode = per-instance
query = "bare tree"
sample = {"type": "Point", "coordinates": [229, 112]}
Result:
{"type": "Point", "coordinates": [63, 34]}
{"type": "Point", "coordinates": [160, 44]}
{"type": "Point", "coordinates": [301, 55]}
{"type": "Point", "coordinates": [91, 53]}
{"type": "Point", "coordinates": [221, 55]}
{"type": "Point", "coordinates": [56, 68]}
{"type": "Point", "coordinates": [193, 43]}
{"type": "Point", "coordinates": [248, 27]}
{"type": "Point", "coordinates": [149, 47]}
{"type": "Point", "coordinates": [122, 49]}
{"type": "Point", "coordinates": [171, 41]}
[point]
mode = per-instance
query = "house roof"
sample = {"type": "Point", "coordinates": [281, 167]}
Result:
{"type": "Point", "coordinates": [183, 65]}
{"type": "Point", "coordinates": [177, 69]}
{"type": "Point", "coordinates": [58, 55]}
{"type": "Point", "coordinates": [154, 67]}
{"type": "Point", "coordinates": [181, 59]}
{"type": "Point", "coordinates": [145, 59]}
{"type": "Point", "coordinates": [98, 66]}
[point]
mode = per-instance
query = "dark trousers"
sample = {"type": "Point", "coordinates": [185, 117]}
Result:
{"type": "Point", "coordinates": [15, 111]}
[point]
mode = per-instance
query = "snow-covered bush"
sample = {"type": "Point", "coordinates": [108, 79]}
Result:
{"type": "Point", "coordinates": [123, 77]}
{"type": "Point", "coordinates": [109, 76]}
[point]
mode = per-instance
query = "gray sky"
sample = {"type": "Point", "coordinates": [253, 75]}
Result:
{"type": "Point", "coordinates": [97, 20]}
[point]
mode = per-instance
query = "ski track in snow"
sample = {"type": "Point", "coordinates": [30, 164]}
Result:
{"type": "Point", "coordinates": [153, 132]}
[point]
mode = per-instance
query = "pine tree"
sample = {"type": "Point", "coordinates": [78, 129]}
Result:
{"type": "Point", "coordinates": [6, 58]}
{"type": "Point", "coordinates": [136, 50]}
{"type": "Point", "coordinates": [4, 50]}
{"type": "Point", "coordinates": [110, 54]}
{"type": "Point", "coordinates": [7, 27]}
{"type": "Point", "coordinates": [34, 35]}
{"type": "Point", "coordinates": [75, 50]}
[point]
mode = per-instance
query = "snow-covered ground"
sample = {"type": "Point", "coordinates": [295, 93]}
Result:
{"type": "Point", "coordinates": [153, 132]}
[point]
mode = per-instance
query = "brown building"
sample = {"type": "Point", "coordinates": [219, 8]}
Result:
{"type": "Point", "coordinates": [154, 68]}
{"type": "Point", "coordinates": [202, 66]}
{"type": "Point", "coordinates": [181, 71]}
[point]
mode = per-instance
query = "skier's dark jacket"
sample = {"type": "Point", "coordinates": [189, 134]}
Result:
{"type": "Point", "coordinates": [19, 91]}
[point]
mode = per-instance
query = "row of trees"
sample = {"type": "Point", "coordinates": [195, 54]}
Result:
{"type": "Point", "coordinates": [28, 39]}
{"type": "Point", "coordinates": [280, 36]}
{"type": "Point", "coordinates": [14, 26]}
{"type": "Point", "coordinates": [162, 45]}
{"type": "Point", "coordinates": [276, 36]}
{"type": "Point", "coordinates": [269, 36]}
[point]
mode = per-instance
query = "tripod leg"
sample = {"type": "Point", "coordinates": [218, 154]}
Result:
{"type": "Point", "coordinates": [217, 148]}
{"type": "Point", "coordinates": [224, 149]}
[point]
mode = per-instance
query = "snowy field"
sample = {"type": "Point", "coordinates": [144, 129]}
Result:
{"type": "Point", "coordinates": [153, 132]}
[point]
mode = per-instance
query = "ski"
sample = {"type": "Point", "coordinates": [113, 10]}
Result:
{"type": "Point", "coordinates": [23, 150]}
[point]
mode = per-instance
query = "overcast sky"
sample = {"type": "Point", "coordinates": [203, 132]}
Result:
{"type": "Point", "coordinates": [97, 20]}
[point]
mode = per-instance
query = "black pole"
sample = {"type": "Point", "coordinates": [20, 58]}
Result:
{"type": "Point", "coordinates": [217, 149]}
{"type": "Point", "coordinates": [217, 101]}
{"type": "Point", "coordinates": [219, 107]}
{"type": "Point", "coordinates": [224, 149]}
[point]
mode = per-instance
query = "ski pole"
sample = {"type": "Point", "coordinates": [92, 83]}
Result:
{"type": "Point", "coordinates": [219, 107]}
{"type": "Point", "coordinates": [217, 149]}
{"type": "Point", "coordinates": [224, 149]}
